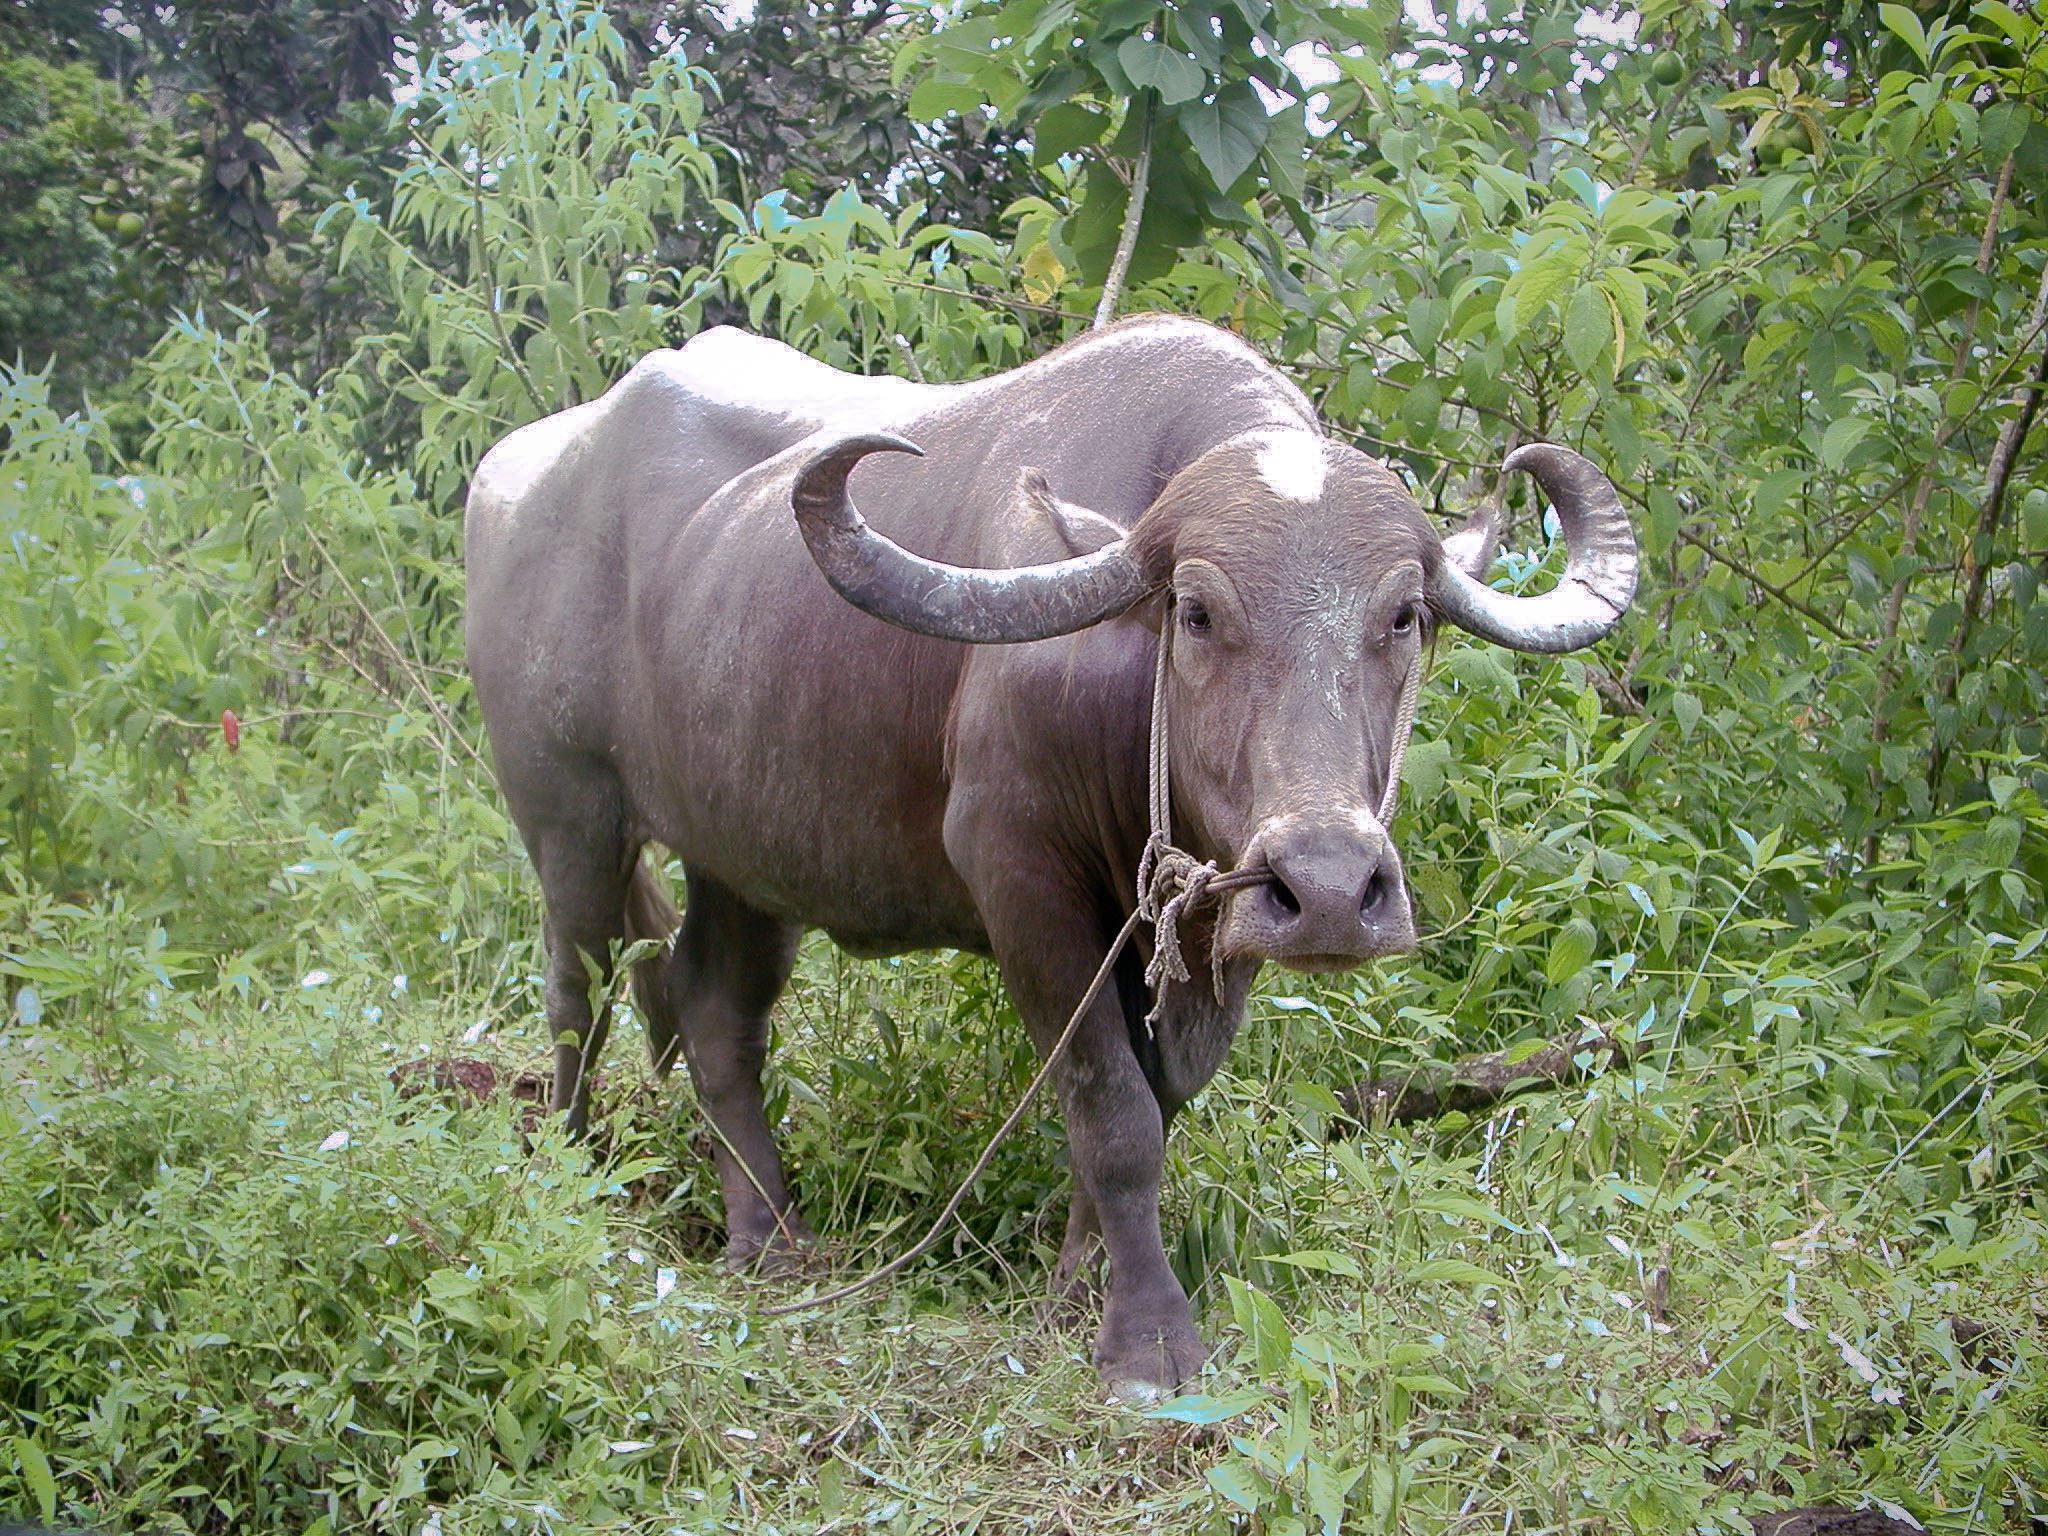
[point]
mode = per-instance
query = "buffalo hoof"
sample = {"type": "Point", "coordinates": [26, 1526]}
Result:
{"type": "Point", "coordinates": [776, 1254]}
{"type": "Point", "coordinates": [1144, 1354]}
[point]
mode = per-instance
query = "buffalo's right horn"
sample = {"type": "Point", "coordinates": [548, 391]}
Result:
{"type": "Point", "coordinates": [1599, 578]}
{"type": "Point", "coordinates": [953, 602]}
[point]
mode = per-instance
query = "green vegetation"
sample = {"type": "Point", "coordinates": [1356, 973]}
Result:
{"type": "Point", "coordinates": [1784, 273]}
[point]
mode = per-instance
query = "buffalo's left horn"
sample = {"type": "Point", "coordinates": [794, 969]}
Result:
{"type": "Point", "coordinates": [952, 602]}
{"type": "Point", "coordinates": [1599, 574]}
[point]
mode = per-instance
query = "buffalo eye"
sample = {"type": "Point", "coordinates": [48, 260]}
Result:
{"type": "Point", "coordinates": [1404, 621]}
{"type": "Point", "coordinates": [1194, 617]}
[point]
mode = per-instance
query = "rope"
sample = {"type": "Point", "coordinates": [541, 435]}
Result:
{"type": "Point", "coordinates": [925, 1244]}
{"type": "Point", "coordinates": [1404, 723]}
{"type": "Point", "coordinates": [1171, 881]}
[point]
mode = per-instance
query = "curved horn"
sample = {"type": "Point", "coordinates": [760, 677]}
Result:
{"type": "Point", "coordinates": [1599, 574]}
{"type": "Point", "coordinates": [952, 602]}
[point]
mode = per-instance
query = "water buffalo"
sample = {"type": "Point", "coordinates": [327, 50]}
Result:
{"type": "Point", "coordinates": [661, 656]}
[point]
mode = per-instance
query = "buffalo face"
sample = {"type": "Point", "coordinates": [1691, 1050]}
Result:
{"type": "Point", "coordinates": [1299, 615]}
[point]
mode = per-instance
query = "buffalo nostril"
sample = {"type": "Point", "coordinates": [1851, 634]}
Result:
{"type": "Point", "coordinates": [1282, 897]}
{"type": "Point", "coordinates": [1377, 889]}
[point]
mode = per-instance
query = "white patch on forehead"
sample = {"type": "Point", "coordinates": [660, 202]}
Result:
{"type": "Point", "coordinates": [1291, 463]}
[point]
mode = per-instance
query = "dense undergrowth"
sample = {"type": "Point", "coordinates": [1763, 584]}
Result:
{"type": "Point", "coordinates": [1782, 837]}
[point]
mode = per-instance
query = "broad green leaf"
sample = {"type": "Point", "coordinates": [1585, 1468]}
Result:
{"type": "Point", "coordinates": [1152, 65]}
{"type": "Point", "coordinates": [1440, 1386]}
{"type": "Point", "coordinates": [939, 96]}
{"type": "Point", "coordinates": [1841, 438]}
{"type": "Point", "coordinates": [1263, 1324]}
{"type": "Point", "coordinates": [1328, 1488]}
{"type": "Point", "coordinates": [1234, 1483]}
{"type": "Point", "coordinates": [1227, 133]}
{"type": "Point", "coordinates": [1588, 328]}
{"type": "Point", "coordinates": [1900, 21]}
{"type": "Point", "coordinates": [1569, 951]}
{"type": "Point", "coordinates": [1067, 127]}
{"type": "Point", "coordinates": [1774, 490]}
{"type": "Point", "coordinates": [1201, 1408]}
{"type": "Point", "coordinates": [1686, 710]}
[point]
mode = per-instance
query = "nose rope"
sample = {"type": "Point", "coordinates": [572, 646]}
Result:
{"type": "Point", "coordinates": [1404, 723]}
{"type": "Point", "coordinates": [1171, 880]}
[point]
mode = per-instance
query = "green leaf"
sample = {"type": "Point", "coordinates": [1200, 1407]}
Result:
{"type": "Point", "coordinates": [1065, 128]}
{"type": "Point", "coordinates": [2004, 125]}
{"type": "Point", "coordinates": [1774, 490]}
{"type": "Point", "coordinates": [36, 1475]}
{"type": "Point", "coordinates": [1439, 1385]}
{"type": "Point", "coordinates": [1569, 951]}
{"type": "Point", "coordinates": [1841, 438]}
{"type": "Point", "coordinates": [1263, 1324]}
{"type": "Point", "coordinates": [1588, 328]}
{"type": "Point", "coordinates": [937, 97]}
{"type": "Point", "coordinates": [1328, 1487]}
{"type": "Point", "coordinates": [1201, 1408]}
{"type": "Point", "coordinates": [1191, 26]}
{"type": "Point", "coordinates": [1324, 1260]}
{"type": "Point", "coordinates": [2021, 29]}
{"type": "Point", "coordinates": [1686, 710]}
{"type": "Point", "coordinates": [1904, 25]}
{"type": "Point", "coordinates": [1149, 64]}
{"type": "Point", "coordinates": [1227, 133]}
{"type": "Point", "coordinates": [1454, 1272]}
{"type": "Point", "coordinates": [1230, 1482]}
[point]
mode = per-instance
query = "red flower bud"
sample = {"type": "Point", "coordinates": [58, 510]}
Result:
{"type": "Point", "coordinates": [230, 729]}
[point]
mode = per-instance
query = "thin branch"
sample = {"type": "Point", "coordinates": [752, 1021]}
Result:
{"type": "Point", "coordinates": [1910, 533]}
{"type": "Point", "coordinates": [1947, 430]}
{"type": "Point", "coordinates": [1762, 584]}
{"type": "Point", "coordinates": [1999, 477]}
{"type": "Point", "coordinates": [490, 287]}
{"type": "Point", "coordinates": [909, 356]}
{"type": "Point", "coordinates": [987, 295]}
{"type": "Point", "coordinates": [1134, 215]}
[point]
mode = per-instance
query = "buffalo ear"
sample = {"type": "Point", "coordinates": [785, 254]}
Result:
{"type": "Point", "coordinates": [1082, 531]}
{"type": "Point", "coordinates": [1471, 548]}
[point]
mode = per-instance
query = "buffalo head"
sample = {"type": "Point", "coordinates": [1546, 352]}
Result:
{"type": "Point", "coordinates": [1301, 581]}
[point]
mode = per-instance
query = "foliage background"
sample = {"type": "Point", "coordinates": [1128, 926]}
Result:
{"type": "Point", "coordinates": [275, 276]}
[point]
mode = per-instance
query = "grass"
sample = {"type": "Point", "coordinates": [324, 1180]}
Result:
{"type": "Point", "coordinates": [250, 1287]}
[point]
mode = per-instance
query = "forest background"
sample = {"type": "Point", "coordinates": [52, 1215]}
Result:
{"type": "Point", "coordinates": [273, 274]}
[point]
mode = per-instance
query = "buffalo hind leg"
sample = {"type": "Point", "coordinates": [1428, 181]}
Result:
{"type": "Point", "coordinates": [729, 966]}
{"type": "Point", "coordinates": [583, 883]}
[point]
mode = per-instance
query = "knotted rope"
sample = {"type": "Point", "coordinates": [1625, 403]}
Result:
{"type": "Point", "coordinates": [1171, 880]}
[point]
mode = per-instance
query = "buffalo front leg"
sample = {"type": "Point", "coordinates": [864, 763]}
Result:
{"type": "Point", "coordinates": [1147, 1344]}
